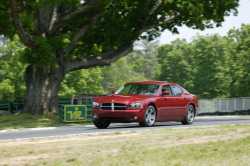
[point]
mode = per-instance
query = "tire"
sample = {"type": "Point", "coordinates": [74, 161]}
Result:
{"type": "Point", "coordinates": [189, 118]}
{"type": "Point", "coordinates": [101, 124]}
{"type": "Point", "coordinates": [149, 117]}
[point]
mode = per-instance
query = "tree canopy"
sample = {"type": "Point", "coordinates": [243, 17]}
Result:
{"type": "Point", "coordinates": [211, 66]}
{"type": "Point", "coordinates": [60, 36]}
{"type": "Point", "coordinates": [89, 29]}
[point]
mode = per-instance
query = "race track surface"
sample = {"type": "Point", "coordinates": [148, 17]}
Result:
{"type": "Point", "coordinates": [75, 130]}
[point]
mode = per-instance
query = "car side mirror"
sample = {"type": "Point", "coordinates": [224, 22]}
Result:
{"type": "Point", "coordinates": [165, 93]}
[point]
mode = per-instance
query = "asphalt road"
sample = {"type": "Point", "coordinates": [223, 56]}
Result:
{"type": "Point", "coordinates": [75, 130]}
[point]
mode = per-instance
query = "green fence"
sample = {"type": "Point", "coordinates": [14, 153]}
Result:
{"type": "Point", "coordinates": [5, 106]}
{"type": "Point", "coordinates": [70, 110]}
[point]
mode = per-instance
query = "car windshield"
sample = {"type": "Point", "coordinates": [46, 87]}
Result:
{"type": "Point", "coordinates": [138, 89]}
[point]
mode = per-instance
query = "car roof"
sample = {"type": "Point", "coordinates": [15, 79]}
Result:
{"type": "Point", "coordinates": [152, 82]}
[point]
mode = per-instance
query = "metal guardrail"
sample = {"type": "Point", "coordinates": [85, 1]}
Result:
{"type": "Point", "coordinates": [224, 105]}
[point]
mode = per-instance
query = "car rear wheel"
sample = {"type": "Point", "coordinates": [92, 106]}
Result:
{"type": "Point", "coordinates": [189, 118]}
{"type": "Point", "coordinates": [149, 117]}
{"type": "Point", "coordinates": [101, 123]}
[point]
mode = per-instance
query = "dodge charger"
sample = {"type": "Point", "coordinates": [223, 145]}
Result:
{"type": "Point", "coordinates": [145, 102]}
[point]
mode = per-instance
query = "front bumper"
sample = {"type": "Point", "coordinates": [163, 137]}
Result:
{"type": "Point", "coordinates": [119, 115]}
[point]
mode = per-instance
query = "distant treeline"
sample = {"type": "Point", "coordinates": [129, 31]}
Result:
{"type": "Point", "coordinates": [211, 66]}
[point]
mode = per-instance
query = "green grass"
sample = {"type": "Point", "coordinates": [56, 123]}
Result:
{"type": "Point", "coordinates": [16, 121]}
{"type": "Point", "coordinates": [26, 121]}
{"type": "Point", "coordinates": [222, 145]}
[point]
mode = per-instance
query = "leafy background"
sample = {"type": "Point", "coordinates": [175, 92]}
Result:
{"type": "Point", "coordinates": [211, 66]}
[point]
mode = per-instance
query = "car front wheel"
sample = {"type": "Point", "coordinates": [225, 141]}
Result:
{"type": "Point", "coordinates": [101, 123]}
{"type": "Point", "coordinates": [149, 117]}
{"type": "Point", "coordinates": [189, 118]}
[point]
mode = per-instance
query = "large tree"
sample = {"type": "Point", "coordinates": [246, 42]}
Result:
{"type": "Point", "coordinates": [61, 36]}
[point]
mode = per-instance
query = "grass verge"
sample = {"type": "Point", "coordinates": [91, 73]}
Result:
{"type": "Point", "coordinates": [16, 121]}
{"type": "Point", "coordinates": [200, 146]}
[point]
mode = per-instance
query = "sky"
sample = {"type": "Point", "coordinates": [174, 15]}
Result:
{"type": "Point", "coordinates": [230, 22]}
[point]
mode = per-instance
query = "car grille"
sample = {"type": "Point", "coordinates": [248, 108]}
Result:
{"type": "Point", "coordinates": [117, 106]}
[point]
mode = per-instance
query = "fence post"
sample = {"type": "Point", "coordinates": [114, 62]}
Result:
{"type": "Point", "coordinates": [227, 108]}
{"type": "Point", "coordinates": [9, 107]}
{"type": "Point", "coordinates": [220, 105]}
{"type": "Point", "coordinates": [235, 104]}
{"type": "Point", "coordinates": [243, 104]}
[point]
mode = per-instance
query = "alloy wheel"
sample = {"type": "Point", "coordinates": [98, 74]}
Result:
{"type": "Point", "coordinates": [150, 116]}
{"type": "Point", "coordinates": [191, 114]}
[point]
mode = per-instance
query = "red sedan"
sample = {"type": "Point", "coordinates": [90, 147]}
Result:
{"type": "Point", "coordinates": [145, 102]}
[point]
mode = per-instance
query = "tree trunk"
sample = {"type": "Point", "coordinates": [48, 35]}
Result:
{"type": "Point", "coordinates": [42, 85]}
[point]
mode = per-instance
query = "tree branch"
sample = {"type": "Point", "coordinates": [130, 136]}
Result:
{"type": "Point", "coordinates": [75, 13]}
{"type": "Point", "coordinates": [111, 56]}
{"type": "Point", "coordinates": [53, 18]}
{"type": "Point", "coordinates": [88, 6]}
{"type": "Point", "coordinates": [46, 18]}
{"type": "Point", "coordinates": [102, 60]}
{"type": "Point", "coordinates": [24, 36]}
{"type": "Point", "coordinates": [78, 36]}
{"type": "Point", "coordinates": [75, 40]}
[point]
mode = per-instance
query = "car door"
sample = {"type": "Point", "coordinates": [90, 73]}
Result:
{"type": "Point", "coordinates": [178, 104]}
{"type": "Point", "coordinates": [166, 104]}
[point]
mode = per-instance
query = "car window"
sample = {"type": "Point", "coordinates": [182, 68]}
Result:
{"type": "Point", "coordinates": [184, 90]}
{"type": "Point", "coordinates": [167, 88]}
{"type": "Point", "coordinates": [138, 89]}
{"type": "Point", "coordinates": [176, 90]}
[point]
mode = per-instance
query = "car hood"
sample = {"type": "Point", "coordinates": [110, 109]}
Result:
{"type": "Point", "coordinates": [120, 99]}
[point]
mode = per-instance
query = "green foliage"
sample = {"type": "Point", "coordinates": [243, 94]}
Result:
{"type": "Point", "coordinates": [144, 61]}
{"type": "Point", "coordinates": [139, 65]}
{"type": "Point", "coordinates": [43, 55]}
{"type": "Point", "coordinates": [210, 66]}
{"type": "Point", "coordinates": [6, 26]}
{"type": "Point", "coordinates": [212, 77]}
{"type": "Point", "coordinates": [136, 66]}
{"type": "Point", "coordinates": [118, 74]}
{"type": "Point", "coordinates": [240, 61]}
{"type": "Point", "coordinates": [201, 66]}
{"type": "Point", "coordinates": [118, 23]}
{"type": "Point", "coordinates": [11, 70]}
{"type": "Point", "coordinates": [82, 82]}
{"type": "Point", "coordinates": [176, 63]}
{"type": "Point", "coordinates": [6, 89]}
{"type": "Point", "coordinates": [66, 35]}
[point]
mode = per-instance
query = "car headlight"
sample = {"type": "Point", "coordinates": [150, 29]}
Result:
{"type": "Point", "coordinates": [136, 105]}
{"type": "Point", "coordinates": [95, 105]}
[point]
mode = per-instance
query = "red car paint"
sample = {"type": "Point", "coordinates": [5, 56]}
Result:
{"type": "Point", "coordinates": [168, 108]}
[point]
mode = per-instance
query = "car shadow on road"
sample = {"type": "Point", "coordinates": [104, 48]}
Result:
{"type": "Point", "coordinates": [136, 125]}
